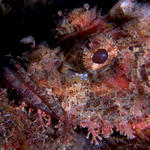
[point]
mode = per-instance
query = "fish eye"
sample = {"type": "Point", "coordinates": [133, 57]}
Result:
{"type": "Point", "coordinates": [100, 56]}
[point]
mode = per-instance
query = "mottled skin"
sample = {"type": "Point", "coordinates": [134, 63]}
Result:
{"type": "Point", "coordinates": [99, 96]}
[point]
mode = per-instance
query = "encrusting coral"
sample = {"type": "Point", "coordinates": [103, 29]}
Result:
{"type": "Point", "coordinates": [97, 77]}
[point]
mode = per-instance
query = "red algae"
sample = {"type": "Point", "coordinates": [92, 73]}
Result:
{"type": "Point", "coordinates": [104, 95]}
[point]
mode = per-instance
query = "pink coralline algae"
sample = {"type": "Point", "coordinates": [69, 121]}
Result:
{"type": "Point", "coordinates": [98, 75]}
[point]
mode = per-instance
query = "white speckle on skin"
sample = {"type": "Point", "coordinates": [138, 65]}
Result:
{"type": "Point", "coordinates": [124, 4]}
{"type": "Point", "coordinates": [127, 6]}
{"type": "Point", "coordinates": [83, 76]}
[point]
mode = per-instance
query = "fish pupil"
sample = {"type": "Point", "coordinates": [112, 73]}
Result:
{"type": "Point", "coordinates": [100, 56]}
